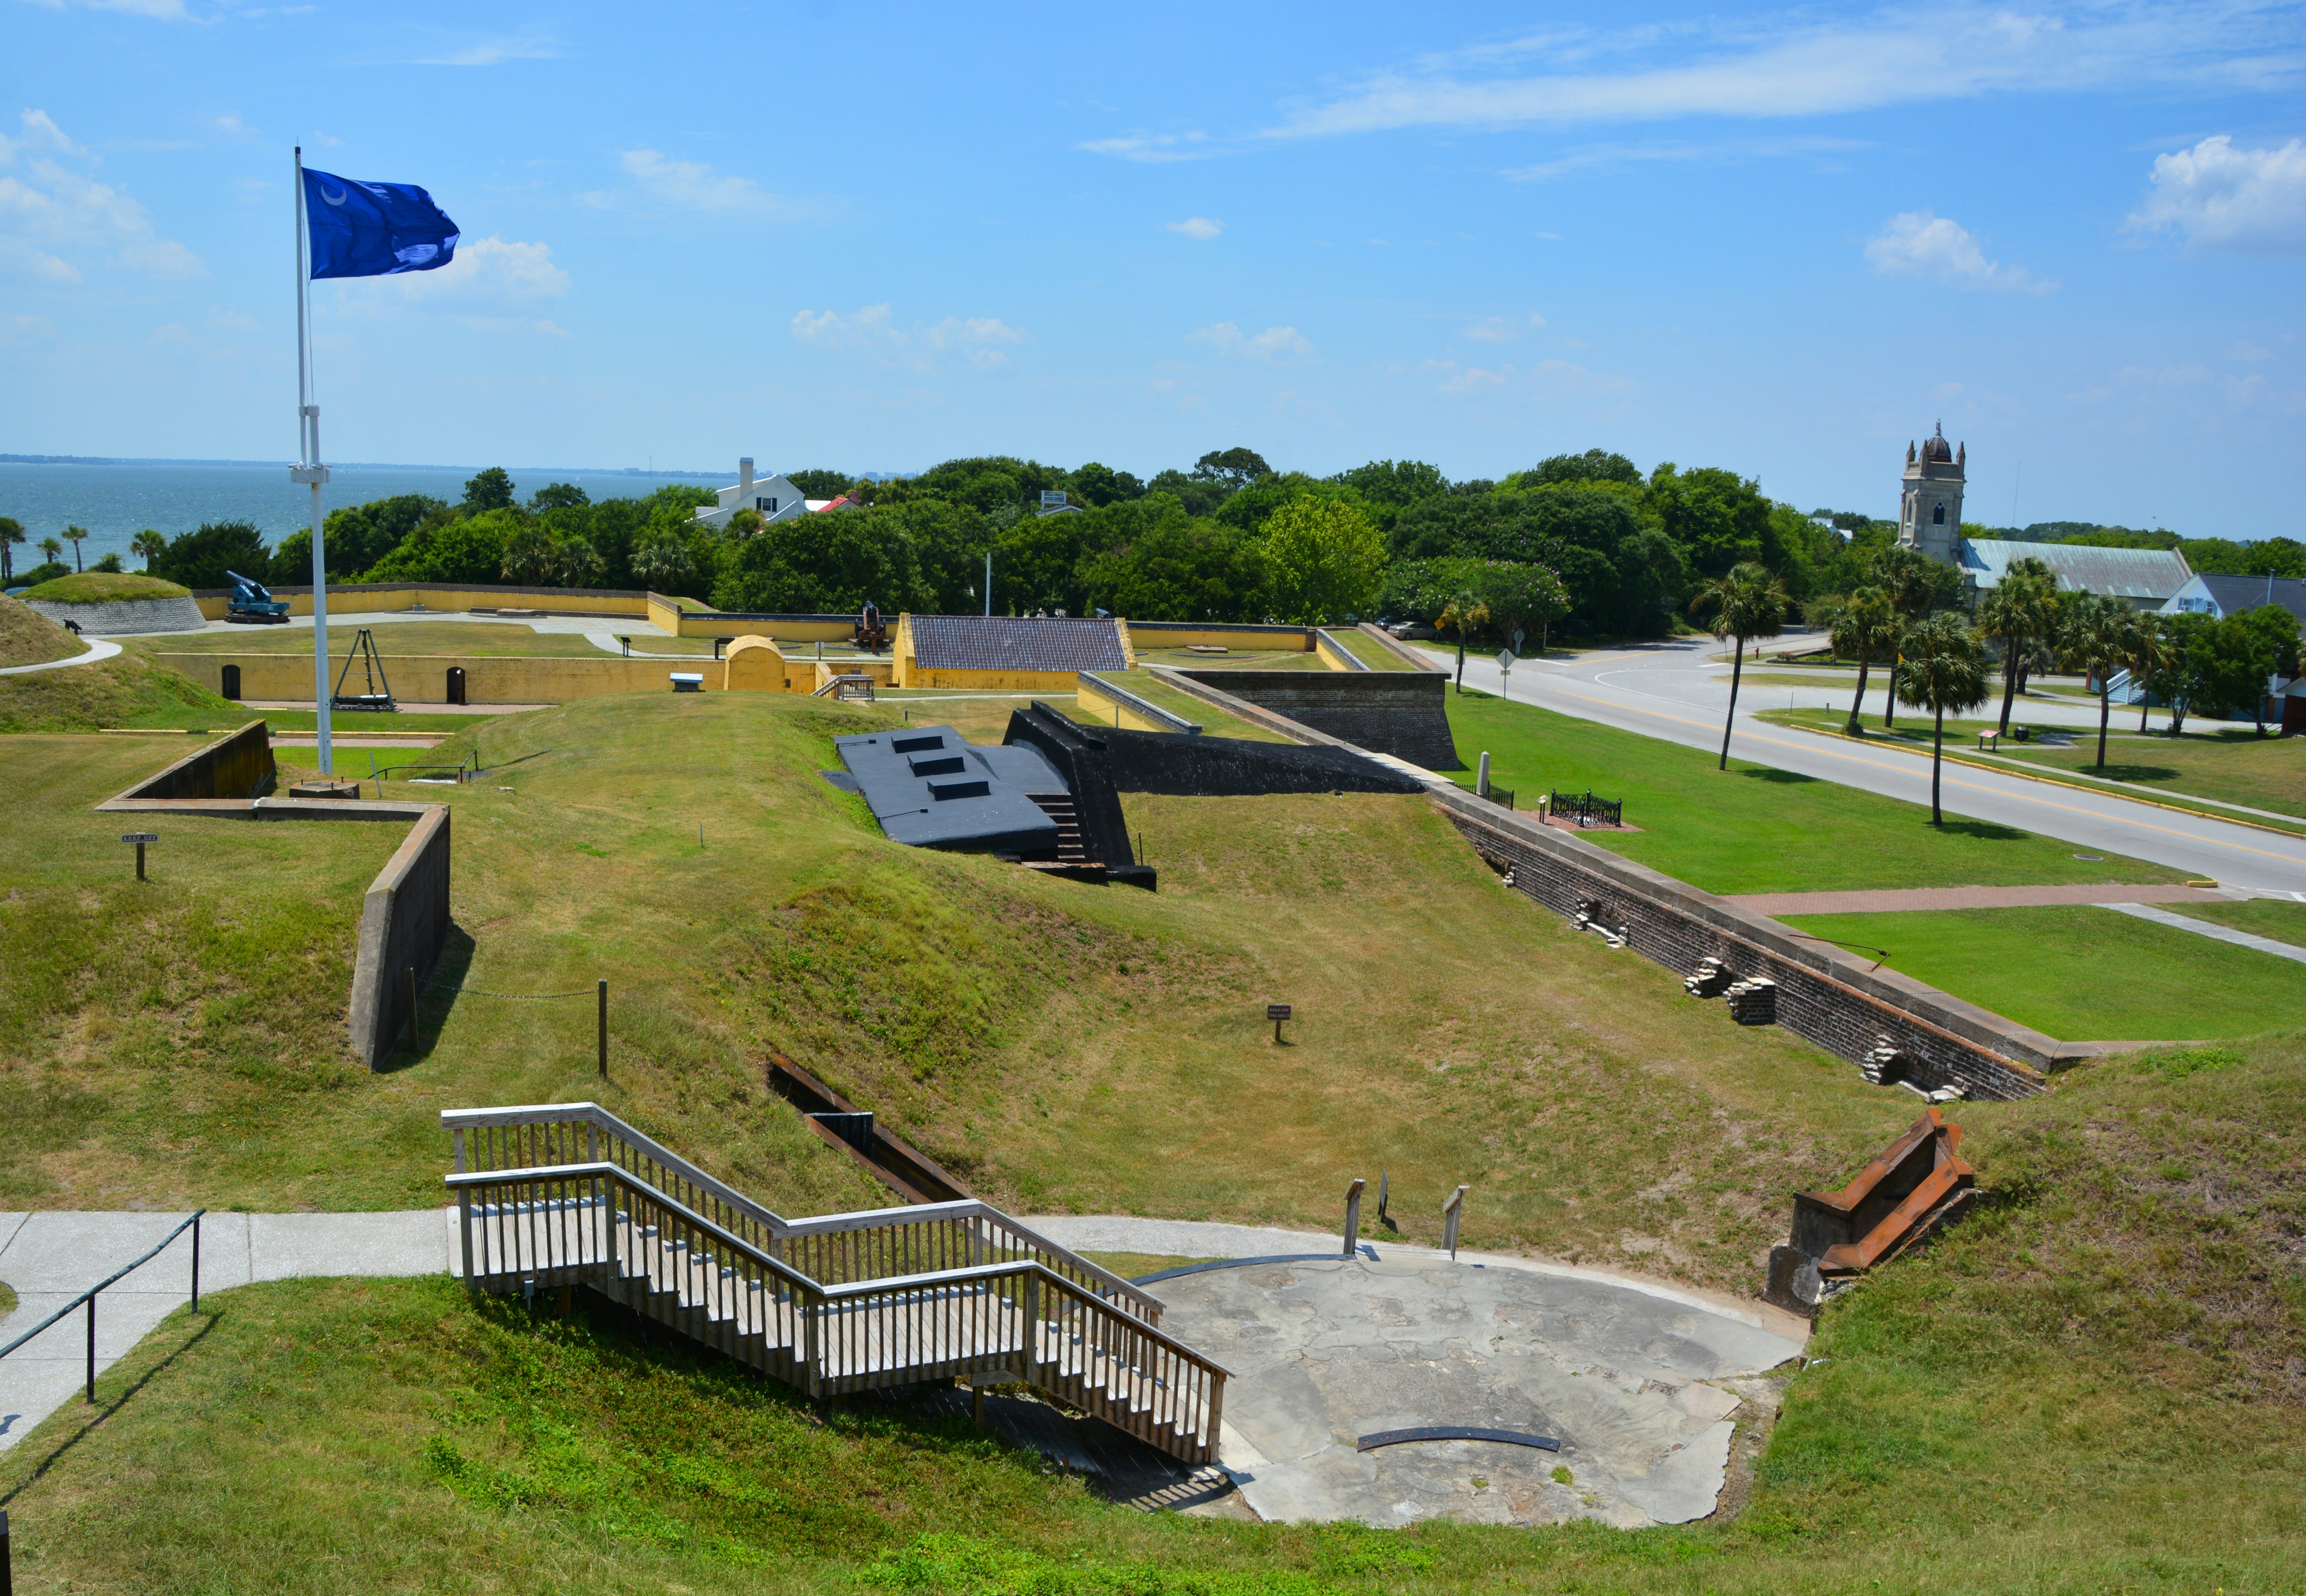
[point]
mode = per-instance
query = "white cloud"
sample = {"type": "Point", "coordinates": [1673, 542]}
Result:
{"type": "Point", "coordinates": [58, 210]}
{"type": "Point", "coordinates": [1275, 343]}
{"type": "Point", "coordinates": [1201, 227]}
{"type": "Point", "coordinates": [1503, 329]}
{"type": "Point", "coordinates": [1604, 158]}
{"type": "Point", "coordinates": [693, 185]}
{"type": "Point", "coordinates": [529, 44]}
{"type": "Point", "coordinates": [1154, 146]}
{"type": "Point", "coordinates": [1918, 243]}
{"type": "Point", "coordinates": [2253, 201]}
{"type": "Point", "coordinates": [2246, 350]}
{"type": "Point", "coordinates": [873, 333]}
{"type": "Point", "coordinates": [164, 9]}
{"type": "Point", "coordinates": [1801, 67]}
{"type": "Point", "coordinates": [493, 271]}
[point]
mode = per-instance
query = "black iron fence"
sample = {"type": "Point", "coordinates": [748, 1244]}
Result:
{"type": "Point", "coordinates": [1586, 809]}
{"type": "Point", "coordinates": [87, 1298]}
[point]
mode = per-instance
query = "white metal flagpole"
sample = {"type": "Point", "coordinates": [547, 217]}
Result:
{"type": "Point", "coordinates": [310, 470]}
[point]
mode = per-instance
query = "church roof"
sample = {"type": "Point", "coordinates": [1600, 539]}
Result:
{"type": "Point", "coordinates": [1936, 449]}
{"type": "Point", "coordinates": [2134, 574]}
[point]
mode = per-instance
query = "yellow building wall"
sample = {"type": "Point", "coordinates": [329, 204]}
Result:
{"type": "Point", "coordinates": [1244, 639]}
{"type": "Point", "coordinates": [1333, 654]}
{"type": "Point", "coordinates": [756, 664]}
{"type": "Point", "coordinates": [353, 599]}
{"type": "Point", "coordinates": [710, 623]}
{"type": "Point", "coordinates": [881, 672]}
{"type": "Point", "coordinates": [423, 678]}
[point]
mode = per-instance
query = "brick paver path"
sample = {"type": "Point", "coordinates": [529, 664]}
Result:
{"type": "Point", "coordinates": [1781, 904]}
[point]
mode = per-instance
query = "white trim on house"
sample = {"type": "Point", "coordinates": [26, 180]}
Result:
{"type": "Point", "coordinates": [774, 497]}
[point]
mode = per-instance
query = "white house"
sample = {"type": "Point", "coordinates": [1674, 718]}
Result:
{"type": "Point", "coordinates": [774, 496]}
{"type": "Point", "coordinates": [2220, 596]}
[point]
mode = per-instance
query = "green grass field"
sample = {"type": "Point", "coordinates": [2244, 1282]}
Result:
{"type": "Point", "coordinates": [105, 587]}
{"type": "Point", "coordinates": [2263, 917]}
{"type": "Point", "coordinates": [1368, 650]}
{"type": "Point", "coordinates": [1754, 829]}
{"type": "Point", "coordinates": [2083, 973]}
{"type": "Point", "coordinates": [125, 690]}
{"type": "Point", "coordinates": [2092, 1384]}
{"type": "Point", "coordinates": [27, 638]}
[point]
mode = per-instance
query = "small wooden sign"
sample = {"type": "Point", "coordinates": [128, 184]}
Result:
{"type": "Point", "coordinates": [1276, 1011]}
{"type": "Point", "coordinates": [142, 837]}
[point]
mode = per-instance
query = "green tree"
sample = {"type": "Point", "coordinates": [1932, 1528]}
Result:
{"type": "Point", "coordinates": [662, 562]}
{"type": "Point", "coordinates": [527, 558]}
{"type": "Point", "coordinates": [1232, 469]}
{"type": "Point", "coordinates": [2022, 607]}
{"type": "Point", "coordinates": [554, 496]}
{"type": "Point", "coordinates": [467, 548]}
{"type": "Point", "coordinates": [2276, 631]}
{"type": "Point", "coordinates": [357, 536]}
{"type": "Point", "coordinates": [1098, 485]}
{"type": "Point", "coordinates": [2152, 655]}
{"type": "Point", "coordinates": [1594, 466]}
{"type": "Point", "coordinates": [1520, 596]}
{"type": "Point", "coordinates": [1176, 568]}
{"type": "Point", "coordinates": [1325, 560]}
{"type": "Point", "coordinates": [1917, 586]}
{"type": "Point", "coordinates": [2262, 557]}
{"type": "Point", "coordinates": [2220, 666]}
{"type": "Point", "coordinates": [1719, 518]}
{"type": "Point", "coordinates": [2095, 639]}
{"type": "Point", "coordinates": [1744, 603]}
{"type": "Point", "coordinates": [203, 556]}
{"type": "Point", "coordinates": [820, 483]}
{"type": "Point", "coordinates": [1461, 612]}
{"type": "Point", "coordinates": [1389, 487]}
{"type": "Point", "coordinates": [824, 565]}
{"type": "Point", "coordinates": [12, 532]}
{"type": "Point", "coordinates": [744, 523]}
{"type": "Point", "coordinates": [76, 536]}
{"type": "Point", "coordinates": [109, 562]}
{"type": "Point", "coordinates": [491, 489]}
{"type": "Point", "coordinates": [1865, 628]}
{"type": "Point", "coordinates": [1945, 671]}
{"type": "Point", "coordinates": [49, 548]}
{"type": "Point", "coordinates": [146, 545]}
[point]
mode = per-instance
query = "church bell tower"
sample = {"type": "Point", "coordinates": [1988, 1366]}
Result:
{"type": "Point", "coordinates": [1929, 509]}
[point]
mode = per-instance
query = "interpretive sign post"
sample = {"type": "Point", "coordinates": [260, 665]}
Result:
{"type": "Point", "coordinates": [1276, 1012]}
{"type": "Point", "coordinates": [140, 839]}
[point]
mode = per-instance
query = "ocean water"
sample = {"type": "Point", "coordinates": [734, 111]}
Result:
{"type": "Point", "coordinates": [115, 502]}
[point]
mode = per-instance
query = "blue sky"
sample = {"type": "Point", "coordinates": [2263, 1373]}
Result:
{"type": "Point", "coordinates": [1782, 240]}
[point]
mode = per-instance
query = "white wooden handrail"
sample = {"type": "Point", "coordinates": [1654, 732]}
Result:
{"type": "Point", "coordinates": [887, 1285]}
{"type": "Point", "coordinates": [865, 1219]}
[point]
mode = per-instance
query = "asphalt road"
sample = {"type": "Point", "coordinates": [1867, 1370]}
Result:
{"type": "Point", "coordinates": [1672, 690]}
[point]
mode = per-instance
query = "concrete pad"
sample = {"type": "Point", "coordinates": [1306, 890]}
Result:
{"type": "Point", "coordinates": [1326, 1352]}
{"type": "Point", "coordinates": [51, 1258]}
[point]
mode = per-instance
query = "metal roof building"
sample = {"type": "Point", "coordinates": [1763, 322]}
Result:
{"type": "Point", "coordinates": [1030, 651]}
{"type": "Point", "coordinates": [2221, 596]}
{"type": "Point", "coordinates": [2147, 578]}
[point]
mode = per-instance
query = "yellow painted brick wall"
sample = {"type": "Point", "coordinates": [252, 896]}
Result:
{"type": "Point", "coordinates": [1333, 654]}
{"type": "Point", "coordinates": [1244, 639]}
{"type": "Point", "coordinates": [423, 678]}
{"type": "Point", "coordinates": [1111, 711]}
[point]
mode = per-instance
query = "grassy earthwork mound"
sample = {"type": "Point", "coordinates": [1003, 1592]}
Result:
{"type": "Point", "coordinates": [27, 638]}
{"type": "Point", "coordinates": [105, 587]}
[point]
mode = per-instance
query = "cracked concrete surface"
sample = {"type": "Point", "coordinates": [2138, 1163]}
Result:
{"type": "Point", "coordinates": [1632, 1383]}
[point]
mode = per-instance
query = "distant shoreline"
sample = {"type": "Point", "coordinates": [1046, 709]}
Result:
{"type": "Point", "coordinates": [341, 465]}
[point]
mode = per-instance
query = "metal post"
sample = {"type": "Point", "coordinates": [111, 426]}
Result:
{"type": "Point", "coordinates": [311, 471]}
{"type": "Point", "coordinates": [1452, 1212]}
{"type": "Point", "coordinates": [1354, 1214]}
{"type": "Point", "coordinates": [1384, 1190]}
{"type": "Point", "coordinates": [91, 1349]}
{"type": "Point", "coordinates": [604, 1027]}
{"type": "Point", "coordinates": [139, 861]}
{"type": "Point", "coordinates": [8, 1579]}
{"type": "Point", "coordinates": [196, 1271]}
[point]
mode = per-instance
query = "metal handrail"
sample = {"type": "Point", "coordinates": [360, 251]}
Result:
{"type": "Point", "coordinates": [89, 1296]}
{"type": "Point", "coordinates": [893, 1285]}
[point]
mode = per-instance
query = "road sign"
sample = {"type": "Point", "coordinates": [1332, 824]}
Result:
{"type": "Point", "coordinates": [1505, 659]}
{"type": "Point", "coordinates": [1053, 498]}
{"type": "Point", "coordinates": [1518, 636]}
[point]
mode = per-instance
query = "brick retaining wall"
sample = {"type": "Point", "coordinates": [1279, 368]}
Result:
{"type": "Point", "coordinates": [403, 926]}
{"type": "Point", "coordinates": [1825, 995]}
{"type": "Point", "coordinates": [1398, 712]}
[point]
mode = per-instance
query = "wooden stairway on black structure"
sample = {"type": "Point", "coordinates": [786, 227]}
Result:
{"type": "Point", "coordinates": [569, 1194]}
{"type": "Point", "coordinates": [1072, 849]}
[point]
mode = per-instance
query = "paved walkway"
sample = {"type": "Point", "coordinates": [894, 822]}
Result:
{"type": "Point", "coordinates": [2226, 934]}
{"type": "Point", "coordinates": [1778, 905]}
{"type": "Point", "coordinates": [98, 649]}
{"type": "Point", "coordinates": [50, 1257]}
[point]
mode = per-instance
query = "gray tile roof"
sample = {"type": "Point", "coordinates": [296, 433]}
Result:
{"type": "Point", "coordinates": [2134, 574]}
{"type": "Point", "coordinates": [2238, 595]}
{"type": "Point", "coordinates": [1016, 643]}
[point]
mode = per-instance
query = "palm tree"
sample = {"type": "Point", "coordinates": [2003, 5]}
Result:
{"type": "Point", "coordinates": [147, 546]}
{"type": "Point", "coordinates": [1867, 626]}
{"type": "Point", "coordinates": [2096, 640]}
{"type": "Point", "coordinates": [1747, 602]}
{"type": "Point", "coordinates": [12, 532]}
{"type": "Point", "coordinates": [1945, 670]}
{"type": "Point", "coordinates": [76, 535]}
{"type": "Point", "coordinates": [2153, 651]}
{"type": "Point", "coordinates": [2023, 607]}
{"type": "Point", "coordinates": [1903, 573]}
{"type": "Point", "coordinates": [1464, 611]}
{"type": "Point", "coordinates": [50, 548]}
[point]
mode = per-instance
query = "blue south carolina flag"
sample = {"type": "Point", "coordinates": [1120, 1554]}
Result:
{"type": "Point", "coordinates": [374, 229]}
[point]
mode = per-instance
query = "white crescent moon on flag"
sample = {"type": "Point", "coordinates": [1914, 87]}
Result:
{"type": "Point", "coordinates": [336, 199]}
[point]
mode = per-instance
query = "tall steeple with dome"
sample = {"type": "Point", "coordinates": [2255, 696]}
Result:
{"type": "Point", "coordinates": [1929, 509]}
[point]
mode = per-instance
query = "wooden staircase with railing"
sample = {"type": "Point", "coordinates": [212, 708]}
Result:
{"type": "Point", "coordinates": [569, 1194]}
{"type": "Point", "coordinates": [1072, 849]}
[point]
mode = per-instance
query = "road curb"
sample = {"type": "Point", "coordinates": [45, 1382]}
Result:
{"type": "Point", "coordinates": [2256, 826]}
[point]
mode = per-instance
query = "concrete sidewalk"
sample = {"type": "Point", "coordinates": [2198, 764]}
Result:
{"type": "Point", "coordinates": [1896, 899]}
{"type": "Point", "coordinates": [50, 1257]}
